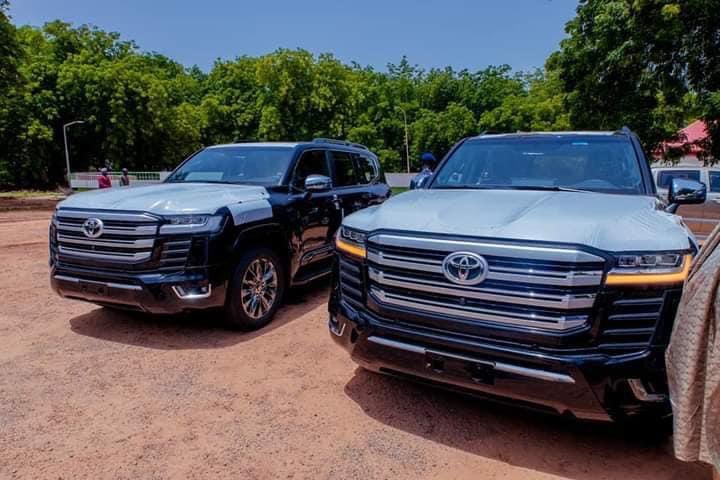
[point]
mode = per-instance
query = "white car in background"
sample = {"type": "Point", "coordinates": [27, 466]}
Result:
{"type": "Point", "coordinates": [701, 218]}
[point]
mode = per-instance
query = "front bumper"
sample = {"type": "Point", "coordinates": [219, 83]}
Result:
{"type": "Point", "coordinates": [152, 293]}
{"type": "Point", "coordinates": [587, 386]}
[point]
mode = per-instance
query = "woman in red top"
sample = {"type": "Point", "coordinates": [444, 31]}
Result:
{"type": "Point", "coordinates": [104, 179]}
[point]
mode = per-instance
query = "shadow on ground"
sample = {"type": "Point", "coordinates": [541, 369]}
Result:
{"type": "Point", "coordinates": [198, 330]}
{"type": "Point", "coordinates": [557, 446]}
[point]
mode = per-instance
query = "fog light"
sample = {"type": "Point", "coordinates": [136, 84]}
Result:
{"type": "Point", "coordinates": [192, 291]}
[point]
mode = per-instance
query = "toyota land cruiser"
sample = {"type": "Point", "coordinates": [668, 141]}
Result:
{"type": "Point", "coordinates": [233, 227]}
{"type": "Point", "coordinates": [539, 268]}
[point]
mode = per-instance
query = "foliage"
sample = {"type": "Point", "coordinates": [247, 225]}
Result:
{"type": "Point", "coordinates": [649, 64]}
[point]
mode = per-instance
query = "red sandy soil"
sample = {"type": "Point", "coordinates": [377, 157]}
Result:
{"type": "Point", "coordinates": [86, 392]}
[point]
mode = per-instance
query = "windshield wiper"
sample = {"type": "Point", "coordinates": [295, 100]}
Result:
{"type": "Point", "coordinates": [546, 188]}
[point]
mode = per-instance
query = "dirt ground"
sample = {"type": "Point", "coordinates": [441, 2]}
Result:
{"type": "Point", "coordinates": [86, 392]}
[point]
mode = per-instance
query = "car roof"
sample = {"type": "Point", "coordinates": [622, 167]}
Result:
{"type": "Point", "coordinates": [548, 134]}
{"type": "Point", "coordinates": [314, 144]}
{"type": "Point", "coordinates": [258, 144]}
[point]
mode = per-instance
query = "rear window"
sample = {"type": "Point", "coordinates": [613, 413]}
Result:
{"type": "Point", "coordinates": [666, 176]}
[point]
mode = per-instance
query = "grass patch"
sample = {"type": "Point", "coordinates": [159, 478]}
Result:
{"type": "Point", "coordinates": [397, 190]}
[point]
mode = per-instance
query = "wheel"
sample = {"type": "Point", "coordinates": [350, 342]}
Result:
{"type": "Point", "coordinates": [256, 290]}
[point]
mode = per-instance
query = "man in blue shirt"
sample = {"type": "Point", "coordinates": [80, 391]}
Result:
{"type": "Point", "coordinates": [428, 165]}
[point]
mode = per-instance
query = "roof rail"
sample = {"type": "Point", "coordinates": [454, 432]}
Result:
{"type": "Point", "coordinates": [625, 130]}
{"type": "Point", "coordinates": [339, 142]}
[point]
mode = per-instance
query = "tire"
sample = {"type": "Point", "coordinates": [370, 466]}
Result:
{"type": "Point", "coordinates": [257, 289]}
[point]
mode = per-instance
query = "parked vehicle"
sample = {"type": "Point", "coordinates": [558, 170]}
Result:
{"type": "Point", "coordinates": [233, 226]}
{"type": "Point", "coordinates": [701, 218]}
{"type": "Point", "coordinates": [539, 268]}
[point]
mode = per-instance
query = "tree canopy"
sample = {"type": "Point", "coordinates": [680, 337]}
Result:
{"type": "Point", "coordinates": [649, 64]}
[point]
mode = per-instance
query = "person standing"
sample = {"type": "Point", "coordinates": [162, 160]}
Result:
{"type": "Point", "coordinates": [693, 361]}
{"type": "Point", "coordinates": [103, 179]}
{"type": "Point", "coordinates": [428, 165]}
{"type": "Point", "coordinates": [124, 178]}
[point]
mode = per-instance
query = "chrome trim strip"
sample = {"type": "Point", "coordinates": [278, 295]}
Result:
{"type": "Point", "coordinates": [114, 256]}
{"type": "Point", "coordinates": [129, 231]}
{"type": "Point", "coordinates": [122, 286]}
{"type": "Point", "coordinates": [191, 296]}
{"type": "Point", "coordinates": [505, 296]}
{"type": "Point", "coordinates": [500, 366]}
{"type": "Point", "coordinates": [102, 215]}
{"type": "Point", "coordinates": [555, 323]}
{"type": "Point", "coordinates": [520, 275]}
{"type": "Point", "coordinates": [485, 248]}
{"type": "Point", "coordinates": [642, 394]}
{"type": "Point", "coordinates": [135, 244]}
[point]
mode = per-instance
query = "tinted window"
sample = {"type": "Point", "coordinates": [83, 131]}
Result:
{"type": "Point", "coordinates": [714, 181]}
{"type": "Point", "coordinates": [367, 172]}
{"type": "Point", "coordinates": [344, 169]}
{"type": "Point", "coordinates": [584, 162]}
{"type": "Point", "coordinates": [666, 176]}
{"type": "Point", "coordinates": [313, 162]}
{"type": "Point", "coordinates": [241, 164]}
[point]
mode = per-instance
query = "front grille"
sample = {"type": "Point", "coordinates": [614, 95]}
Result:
{"type": "Point", "coordinates": [126, 238]}
{"type": "Point", "coordinates": [351, 280]}
{"type": "Point", "coordinates": [543, 288]}
{"type": "Point", "coordinates": [631, 321]}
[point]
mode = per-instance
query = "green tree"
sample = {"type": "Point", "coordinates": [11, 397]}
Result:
{"type": "Point", "coordinates": [642, 63]}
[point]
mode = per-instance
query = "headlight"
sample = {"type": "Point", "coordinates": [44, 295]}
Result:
{"type": "Point", "coordinates": [351, 242]}
{"type": "Point", "coordinates": [191, 224]}
{"type": "Point", "coordinates": [650, 269]}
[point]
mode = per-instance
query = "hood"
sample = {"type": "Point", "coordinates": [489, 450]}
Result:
{"type": "Point", "coordinates": [167, 198]}
{"type": "Point", "coordinates": [608, 222]}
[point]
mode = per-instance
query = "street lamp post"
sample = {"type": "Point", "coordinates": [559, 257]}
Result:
{"type": "Point", "coordinates": [67, 152]}
{"type": "Point", "coordinates": [407, 141]}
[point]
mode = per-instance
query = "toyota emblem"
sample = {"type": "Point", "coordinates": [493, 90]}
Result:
{"type": "Point", "coordinates": [93, 227]}
{"type": "Point", "coordinates": [465, 268]}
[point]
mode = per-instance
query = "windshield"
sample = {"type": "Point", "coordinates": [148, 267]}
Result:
{"type": "Point", "coordinates": [578, 162]}
{"type": "Point", "coordinates": [241, 164]}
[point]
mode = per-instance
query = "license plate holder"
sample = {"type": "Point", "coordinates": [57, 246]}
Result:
{"type": "Point", "coordinates": [93, 288]}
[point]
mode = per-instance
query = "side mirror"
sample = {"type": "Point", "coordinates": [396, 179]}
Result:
{"type": "Point", "coordinates": [685, 192]}
{"type": "Point", "coordinates": [317, 183]}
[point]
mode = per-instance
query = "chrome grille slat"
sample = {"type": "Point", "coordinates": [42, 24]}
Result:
{"type": "Point", "coordinates": [538, 277]}
{"type": "Point", "coordinates": [141, 230]}
{"type": "Point", "coordinates": [487, 248]}
{"type": "Point", "coordinates": [497, 295]}
{"type": "Point", "coordinates": [131, 244]}
{"type": "Point", "coordinates": [110, 256]}
{"type": "Point", "coordinates": [560, 322]}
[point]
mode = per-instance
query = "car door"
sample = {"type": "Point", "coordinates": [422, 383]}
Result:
{"type": "Point", "coordinates": [693, 215]}
{"type": "Point", "coordinates": [712, 204]}
{"type": "Point", "coordinates": [317, 212]}
{"type": "Point", "coordinates": [351, 195]}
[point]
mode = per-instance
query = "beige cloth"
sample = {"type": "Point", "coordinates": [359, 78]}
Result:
{"type": "Point", "coordinates": [693, 360]}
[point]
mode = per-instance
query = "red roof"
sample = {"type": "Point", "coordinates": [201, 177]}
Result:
{"type": "Point", "coordinates": [690, 136]}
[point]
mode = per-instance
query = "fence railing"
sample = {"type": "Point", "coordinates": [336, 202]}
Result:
{"type": "Point", "coordinates": [90, 179]}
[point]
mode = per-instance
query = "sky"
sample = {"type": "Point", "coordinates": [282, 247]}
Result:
{"type": "Point", "coordinates": [431, 33]}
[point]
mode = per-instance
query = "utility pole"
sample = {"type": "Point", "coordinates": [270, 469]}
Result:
{"type": "Point", "coordinates": [67, 151]}
{"type": "Point", "coordinates": [407, 138]}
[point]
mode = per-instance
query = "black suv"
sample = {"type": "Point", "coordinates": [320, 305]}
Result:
{"type": "Point", "coordinates": [233, 226]}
